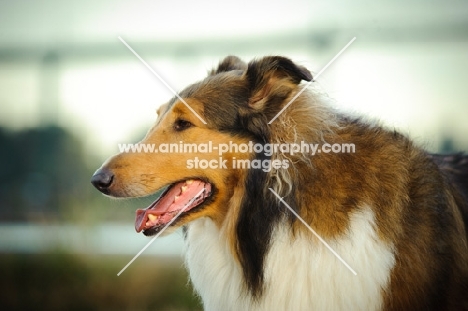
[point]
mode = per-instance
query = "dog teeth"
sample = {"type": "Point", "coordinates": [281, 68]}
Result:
{"type": "Point", "coordinates": [152, 217]}
{"type": "Point", "coordinates": [176, 198]}
{"type": "Point", "coordinates": [184, 188]}
{"type": "Point", "coordinates": [188, 182]}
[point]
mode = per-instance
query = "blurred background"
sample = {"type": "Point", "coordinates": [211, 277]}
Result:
{"type": "Point", "coordinates": [70, 91]}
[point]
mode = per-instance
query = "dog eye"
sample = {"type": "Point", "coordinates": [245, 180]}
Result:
{"type": "Point", "coordinates": [180, 125]}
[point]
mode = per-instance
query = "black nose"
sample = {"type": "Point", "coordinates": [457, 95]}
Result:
{"type": "Point", "coordinates": [102, 179]}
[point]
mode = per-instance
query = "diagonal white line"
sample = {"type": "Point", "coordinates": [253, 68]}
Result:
{"type": "Point", "coordinates": [160, 232]}
{"type": "Point", "coordinates": [313, 231]}
{"type": "Point", "coordinates": [313, 80]}
{"type": "Point", "coordinates": [161, 79]}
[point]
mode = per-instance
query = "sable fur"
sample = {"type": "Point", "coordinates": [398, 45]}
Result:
{"type": "Point", "coordinates": [411, 207]}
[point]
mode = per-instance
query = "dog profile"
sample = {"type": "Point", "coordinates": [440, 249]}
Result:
{"type": "Point", "coordinates": [395, 214]}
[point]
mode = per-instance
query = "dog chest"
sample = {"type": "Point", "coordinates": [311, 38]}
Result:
{"type": "Point", "coordinates": [300, 272]}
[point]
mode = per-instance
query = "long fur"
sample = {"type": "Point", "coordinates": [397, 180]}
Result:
{"type": "Point", "coordinates": [395, 214]}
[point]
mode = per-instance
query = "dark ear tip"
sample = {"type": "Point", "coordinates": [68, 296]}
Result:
{"type": "Point", "coordinates": [285, 65]}
{"type": "Point", "coordinates": [296, 71]}
{"type": "Point", "coordinates": [306, 74]}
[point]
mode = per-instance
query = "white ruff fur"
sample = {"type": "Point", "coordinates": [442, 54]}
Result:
{"type": "Point", "coordinates": [300, 273]}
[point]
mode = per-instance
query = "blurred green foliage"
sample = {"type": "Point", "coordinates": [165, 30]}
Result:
{"type": "Point", "coordinates": [42, 171]}
{"type": "Point", "coordinates": [66, 282]}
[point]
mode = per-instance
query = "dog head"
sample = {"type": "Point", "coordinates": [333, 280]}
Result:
{"type": "Point", "coordinates": [232, 105]}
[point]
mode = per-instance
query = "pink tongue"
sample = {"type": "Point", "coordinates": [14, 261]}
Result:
{"type": "Point", "coordinates": [168, 203]}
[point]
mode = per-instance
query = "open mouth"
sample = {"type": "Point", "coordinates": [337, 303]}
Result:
{"type": "Point", "coordinates": [184, 195]}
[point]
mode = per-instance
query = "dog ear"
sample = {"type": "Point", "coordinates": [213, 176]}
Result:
{"type": "Point", "coordinates": [229, 63]}
{"type": "Point", "coordinates": [271, 80]}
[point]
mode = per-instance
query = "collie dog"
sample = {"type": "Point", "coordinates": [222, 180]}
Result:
{"type": "Point", "coordinates": [380, 227]}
